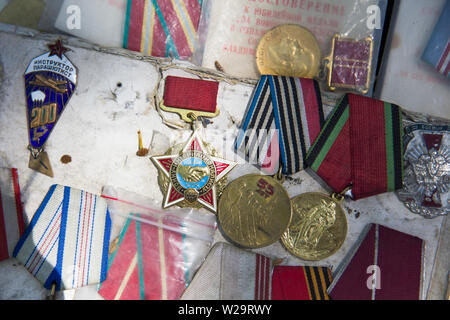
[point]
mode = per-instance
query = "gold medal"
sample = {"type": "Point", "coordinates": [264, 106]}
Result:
{"type": "Point", "coordinates": [318, 226]}
{"type": "Point", "coordinates": [254, 211]}
{"type": "Point", "coordinates": [288, 50]}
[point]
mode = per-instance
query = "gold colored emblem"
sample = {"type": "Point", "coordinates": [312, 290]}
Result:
{"type": "Point", "coordinates": [318, 226]}
{"type": "Point", "coordinates": [40, 80]}
{"type": "Point", "coordinates": [288, 50]}
{"type": "Point", "coordinates": [191, 174]}
{"type": "Point", "coordinates": [40, 163]}
{"type": "Point", "coordinates": [254, 211]}
{"type": "Point", "coordinates": [189, 115]}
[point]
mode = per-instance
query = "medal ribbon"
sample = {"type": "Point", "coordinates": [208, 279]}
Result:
{"type": "Point", "coordinates": [162, 28]}
{"type": "Point", "coordinates": [67, 240]}
{"type": "Point", "coordinates": [12, 223]}
{"type": "Point", "coordinates": [360, 145]}
{"type": "Point", "coordinates": [394, 261]}
{"type": "Point", "coordinates": [285, 106]}
{"type": "Point", "coordinates": [148, 263]}
{"type": "Point", "coordinates": [191, 94]}
{"type": "Point", "coordinates": [300, 283]}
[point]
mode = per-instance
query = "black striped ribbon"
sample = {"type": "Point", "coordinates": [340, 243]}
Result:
{"type": "Point", "coordinates": [288, 107]}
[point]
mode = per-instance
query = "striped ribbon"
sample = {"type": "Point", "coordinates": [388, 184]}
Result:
{"type": "Point", "coordinates": [437, 51]}
{"type": "Point", "coordinates": [300, 283]}
{"type": "Point", "coordinates": [443, 65]}
{"type": "Point", "coordinates": [284, 107]}
{"type": "Point", "coordinates": [11, 213]}
{"type": "Point", "coordinates": [262, 277]}
{"type": "Point", "coordinates": [360, 146]}
{"type": "Point", "coordinates": [67, 240]}
{"type": "Point", "coordinates": [383, 264]}
{"type": "Point", "coordinates": [162, 28]}
{"type": "Point", "coordinates": [147, 264]}
{"type": "Point", "coordinates": [230, 273]}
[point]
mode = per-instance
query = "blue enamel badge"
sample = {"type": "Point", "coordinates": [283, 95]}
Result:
{"type": "Point", "coordinates": [50, 81]}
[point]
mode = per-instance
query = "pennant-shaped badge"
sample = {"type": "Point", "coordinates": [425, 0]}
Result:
{"type": "Point", "coordinates": [50, 81]}
{"type": "Point", "coordinates": [360, 146]}
{"type": "Point", "coordinates": [284, 118]}
{"type": "Point", "coordinates": [67, 241]}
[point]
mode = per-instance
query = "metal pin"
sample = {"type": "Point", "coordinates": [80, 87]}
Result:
{"type": "Point", "coordinates": [141, 151]}
{"type": "Point", "coordinates": [52, 292]}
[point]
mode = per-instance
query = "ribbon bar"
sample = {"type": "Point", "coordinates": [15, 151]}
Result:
{"type": "Point", "coordinates": [67, 241]}
{"type": "Point", "coordinates": [191, 94]}
{"type": "Point", "coordinates": [187, 96]}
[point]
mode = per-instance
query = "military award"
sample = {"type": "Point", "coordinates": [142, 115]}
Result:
{"type": "Point", "coordinates": [426, 184]}
{"type": "Point", "coordinates": [288, 50]}
{"type": "Point", "coordinates": [50, 81]}
{"type": "Point", "coordinates": [349, 64]}
{"type": "Point", "coordinates": [360, 146]}
{"type": "Point", "coordinates": [285, 114]}
{"type": "Point", "coordinates": [254, 211]}
{"type": "Point", "coordinates": [191, 174]}
{"type": "Point", "coordinates": [318, 227]}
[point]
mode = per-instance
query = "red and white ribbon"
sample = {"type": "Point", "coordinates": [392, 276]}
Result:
{"type": "Point", "coordinates": [11, 212]}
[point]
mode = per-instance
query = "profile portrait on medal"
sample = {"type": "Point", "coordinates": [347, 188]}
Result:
{"type": "Point", "coordinates": [290, 57]}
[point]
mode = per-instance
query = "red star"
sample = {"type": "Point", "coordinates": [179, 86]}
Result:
{"type": "Point", "coordinates": [209, 198]}
{"type": "Point", "coordinates": [57, 48]}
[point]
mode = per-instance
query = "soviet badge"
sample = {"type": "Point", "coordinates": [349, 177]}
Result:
{"type": "Point", "coordinates": [190, 177]}
{"type": "Point", "coordinates": [50, 81]}
{"type": "Point", "coordinates": [426, 182]}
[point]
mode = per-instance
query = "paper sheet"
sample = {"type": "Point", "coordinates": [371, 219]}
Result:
{"type": "Point", "coordinates": [235, 27]}
{"type": "Point", "coordinates": [409, 81]}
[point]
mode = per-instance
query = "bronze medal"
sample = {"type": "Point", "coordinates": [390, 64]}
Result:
{"type": "Point", "coordinates": [318, 226]}
{"type": "Point", "coordinates": [254, 211]}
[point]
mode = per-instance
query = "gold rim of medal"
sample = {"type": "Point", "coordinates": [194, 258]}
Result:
{"type": "Point", "coordinates": [288, 50]}
{"type": "Point", "coordinates": [254, 210]}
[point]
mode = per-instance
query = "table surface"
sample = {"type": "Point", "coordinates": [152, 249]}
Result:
{"type": "Point", "coordinates": [98, 129]}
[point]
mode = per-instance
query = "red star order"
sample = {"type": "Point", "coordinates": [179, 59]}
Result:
{"type": "Point", "coordinates": [209, 199]}
{"type": "Point", "coordinates": [57, 48]}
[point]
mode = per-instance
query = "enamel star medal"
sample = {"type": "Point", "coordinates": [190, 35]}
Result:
{"type": "Point", "coordinates": [191, 174]}
{"type": "Point", "coordinates": [50, 81]}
